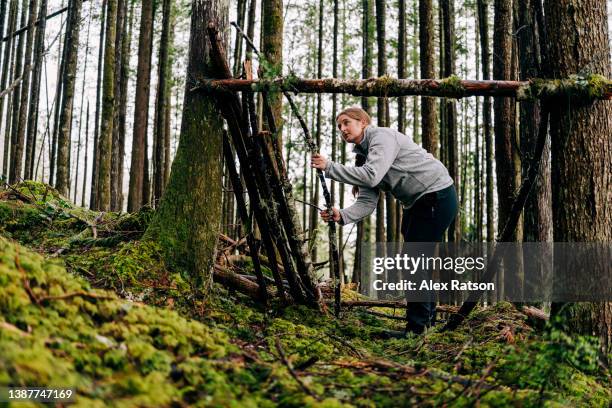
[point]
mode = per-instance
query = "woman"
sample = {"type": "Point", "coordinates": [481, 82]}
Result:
{"type": "Point", "coordinates": [394, 163]}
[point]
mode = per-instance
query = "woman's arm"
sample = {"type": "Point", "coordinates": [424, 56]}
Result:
{"type": "Point", "coordinates": [364, 206]}
{"type": "Point", "coordinates": [382, 152]}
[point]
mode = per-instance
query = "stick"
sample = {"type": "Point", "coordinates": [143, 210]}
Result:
{"type": "Point", "coordinates": [517, 206]}
{"type": "Point", "coordinates": [287, 364]}
{"type": "Point", "coordinates": [447, 88]}
{"type": "Point", "coordinates": [333, 242]}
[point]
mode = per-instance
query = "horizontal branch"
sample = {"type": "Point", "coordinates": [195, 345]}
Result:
{"type": "Point", "coordinates": [588, 87]}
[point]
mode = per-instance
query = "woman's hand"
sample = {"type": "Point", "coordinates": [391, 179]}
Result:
{"type": "Point", "coordinates": [326, 216]}
{"type": "Point", "coordinates": [318, 161]}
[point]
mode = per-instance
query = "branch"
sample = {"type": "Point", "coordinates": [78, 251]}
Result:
{"type": "Point", "coordinates": [588, 87]}
{"type": "Point", "coordinates": [517, 207]}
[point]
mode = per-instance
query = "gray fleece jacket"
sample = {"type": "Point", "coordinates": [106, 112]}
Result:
{"type": "Point", "coordinates": [395, 163]}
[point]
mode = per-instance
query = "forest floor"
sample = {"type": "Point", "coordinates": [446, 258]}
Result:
{"type": "Point", "coordinates": [85, 303]}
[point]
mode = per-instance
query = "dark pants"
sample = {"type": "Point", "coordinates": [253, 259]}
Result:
{"type": "Point", "coordinates": [426, 221]}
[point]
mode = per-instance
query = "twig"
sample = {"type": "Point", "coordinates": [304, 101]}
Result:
{"type": "Point", "coordinates": [287, 364]}
{"type": "Point", "coordinates": [73, 294]}
{"type": "Point", "coordinates": [26, 281]}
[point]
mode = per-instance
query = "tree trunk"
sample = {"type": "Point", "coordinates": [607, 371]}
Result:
{"type": "Point", "coordinates": [79, 144]}
{"type": "Point", "coordinates": [93, 197]}
{"type": "Point", "coordinates": [273, 52]}
{"type": "Point", "coordinates": [483, 25]}
{"type": "Point", "coordinates": [401, 64]}
{"type": "Point", "coordinates": [141, 109]}
{"type": "Point", "coordinates": [84, 188]}
{"type": "Point", "coordinates": [7, 62]}
{"type": "Point", "coordinates": [504, 111]}
{"type": "Point", "coordinates": [450, 110]}
{"type": "Point", "coordinates": [581, 148]}
{"type": "Point", "coordinates": [159, 127]}
{"type": "Point", "coordinates": [314, 216]}
{"type": "Point", "coordinates": [116, 157]}
{"type": "Point", "coordinates": [69, 82]}
{"type": "Point", "coordinates": [39, 49]}
{"type": "Point", "coordinates": [17, 169]}
{"type": "Point", "coordinates": [108, 102]}
{"type": "Point", "coordinates": [429, 120]}
{"type": "Point", "coordinates": [537, 216]}
{"type": "Point", "coordinates": [334, 133]}
{"type": "Point", "coordinates": [16, 162]}
{"type": "Point", "coordinates": [241, 12]}
{"type": "Point", "coordinates": [187, 221]}
{"type": "Point", "coordinates": [362, 238]}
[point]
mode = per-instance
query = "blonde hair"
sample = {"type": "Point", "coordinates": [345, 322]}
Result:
{"type": "Point", "coordinates": [355, 112]}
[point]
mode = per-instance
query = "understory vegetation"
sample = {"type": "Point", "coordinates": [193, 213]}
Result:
{"type": "Point", "coordinates": [85, 303]}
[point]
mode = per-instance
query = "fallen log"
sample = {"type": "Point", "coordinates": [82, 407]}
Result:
{"type": "Point", "coordinates": [243, 285]}
{"type": "Point", "coordinates": [590, 87]}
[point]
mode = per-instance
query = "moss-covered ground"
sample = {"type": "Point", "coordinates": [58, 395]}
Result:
{"type": "Point", "coordinates": [85, 303]}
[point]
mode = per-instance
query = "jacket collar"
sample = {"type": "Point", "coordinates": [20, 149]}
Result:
{"type": "Point", "coordinates": [362, 147]}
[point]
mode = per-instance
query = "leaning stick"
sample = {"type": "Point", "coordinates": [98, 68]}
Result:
{"type": "Point", "coordinates": [312, 146]}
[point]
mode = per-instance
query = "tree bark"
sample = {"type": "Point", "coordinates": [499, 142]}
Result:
{"type": "Point", "coordinates": [429, 117]}
{"type": "Point", "coordinates": [39, 49]}
{"type": "Point", "coordinates": [483, 26]}
{"type": "Point", "coordinates": [69, 82]}
{"type": "Point", "coordinates": [504, 112]}
{"type": "Point", "coordinates": [272, 49]}
{"type": "Point", "coordinates": [108, 101]}
{"type": "Point", "coordinates": [141, 109]}
{"type": "Point", "coordinates": [537, 217]}
{"type": "Point", "coordinates": [587, 87]}
{"type": "Point", "coordinates": [93, 197]}
{"type": "Point", "coordinates": [118, 132]}
{"type": "Point", "coordinates": [8, 58]}
{"type": "Point", "coordinates": [450, 110]}
{"type": "Point", "coordinates": [581, 148]}
{"type": "Point", "coordinates": [187, 221]}
{"type": "Point", "coordinates": [16, 162]}
{"type": "Point", "coordinates": [159, 127]}
{"type": "Point", "coordinates": [25, 91]}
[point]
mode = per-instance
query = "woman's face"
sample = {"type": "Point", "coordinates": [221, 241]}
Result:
{"type": "Point", "coordinates": [351, 129]}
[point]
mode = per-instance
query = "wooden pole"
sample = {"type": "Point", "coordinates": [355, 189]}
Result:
{"type": "Point", "coordinates": [589, 87]}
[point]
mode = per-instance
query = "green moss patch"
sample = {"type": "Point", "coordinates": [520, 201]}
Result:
{"type": "Point", "coordinates": [150, 340]}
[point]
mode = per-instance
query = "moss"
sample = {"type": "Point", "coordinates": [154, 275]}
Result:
{"type": "Point", "coordinates": [578, 88]}
{"type": "Point", "coordinates": [452, 87]}
{"type": "Point", "coordinates": [178, 349]}
{"type": "Point", "coordinates": [598, 85]}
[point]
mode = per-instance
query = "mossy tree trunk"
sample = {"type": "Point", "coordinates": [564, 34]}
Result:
{"type": "Point", "coordinates": [272, 49]}
{"type": "Point", "coordinates": [581, 147]}
{"type": "Point", "coordinates": [187, 221]}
